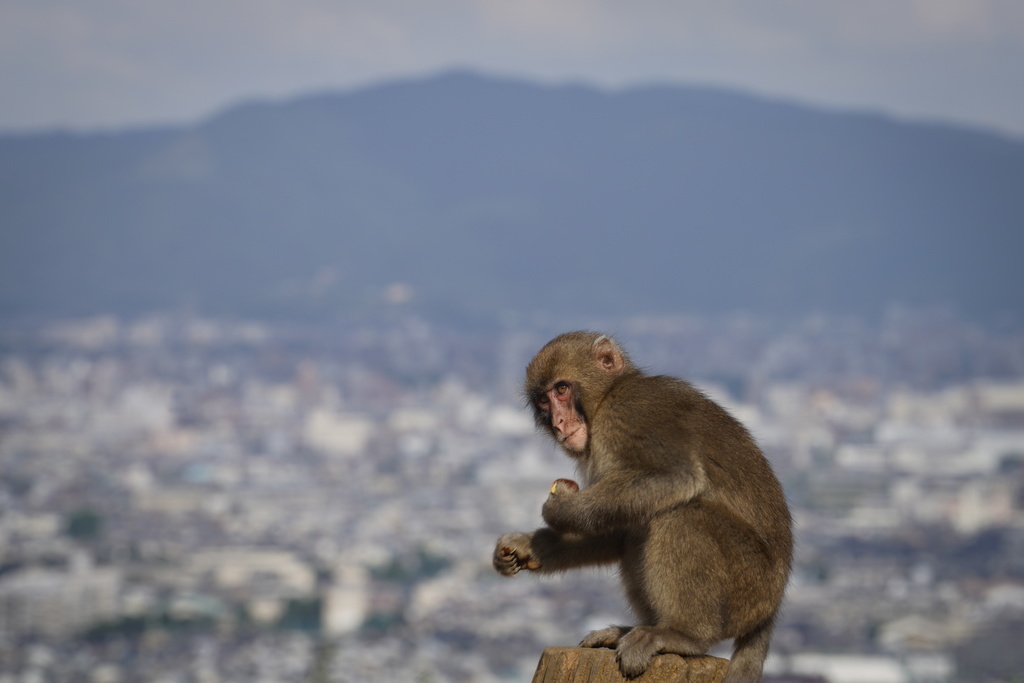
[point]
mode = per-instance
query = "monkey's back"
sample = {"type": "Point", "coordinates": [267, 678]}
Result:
{"type": "Point", "coordinates": [698, 433]}
{"type": "Point", "coordinates": [717, 565]}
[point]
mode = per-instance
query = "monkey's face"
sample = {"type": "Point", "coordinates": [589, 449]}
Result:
{"type": "Point", "coordinates": [569, 377]}
{"type": "Point", "coordinates": [557, 409]}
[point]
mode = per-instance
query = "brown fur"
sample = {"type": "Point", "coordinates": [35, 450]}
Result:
{"type": "Point", "coordinates": [675, 491]}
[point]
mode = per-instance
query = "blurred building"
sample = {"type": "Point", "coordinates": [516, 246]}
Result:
{"type": "Point", "coordinates": [51, 602]}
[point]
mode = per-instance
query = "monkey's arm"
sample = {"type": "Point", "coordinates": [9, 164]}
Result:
{"type": "Point", "coordinates": [621, 499]}
{"type": "Point", "coordinates": [546, 551]}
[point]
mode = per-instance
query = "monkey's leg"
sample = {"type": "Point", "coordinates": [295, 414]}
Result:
{"type": "Point", "coordinates": [675, 577]}
{"type": "Point", "coordinates": [637, 647]}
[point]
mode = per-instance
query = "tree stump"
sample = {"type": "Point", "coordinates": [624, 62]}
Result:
{"type": "Point", "coordinates": [598, 665]}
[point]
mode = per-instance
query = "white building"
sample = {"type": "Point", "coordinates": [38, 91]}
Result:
{"type": "Point", "coordinates": [52, 602]}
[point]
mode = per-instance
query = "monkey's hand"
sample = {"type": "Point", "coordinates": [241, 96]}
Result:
{"type": "Point", "coordinates": [514, 552]}
{"type": "Point", "coordinates": [559, 508]}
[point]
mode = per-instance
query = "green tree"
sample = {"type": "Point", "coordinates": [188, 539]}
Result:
{"type": "Point", "coordinates": [84, 525]}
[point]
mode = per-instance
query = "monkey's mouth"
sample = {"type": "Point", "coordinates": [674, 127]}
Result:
{"type": "Point", "coordinates": [572, 440]}
{"type": "Point", "coordinates": [565, 436]}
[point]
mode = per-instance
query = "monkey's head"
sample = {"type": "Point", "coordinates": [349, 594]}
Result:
{"type": "Point", "coordinates": [567, 379]}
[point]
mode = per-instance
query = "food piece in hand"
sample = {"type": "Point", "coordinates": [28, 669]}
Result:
{"type": "Point", "coordinates": [563, 486]}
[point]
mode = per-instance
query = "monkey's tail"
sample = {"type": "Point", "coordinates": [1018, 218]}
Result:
{"type": "Point", "coordinates": [748, 654]}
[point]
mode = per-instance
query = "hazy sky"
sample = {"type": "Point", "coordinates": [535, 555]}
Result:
{"type": "Point", "coordinates": [102, 63]}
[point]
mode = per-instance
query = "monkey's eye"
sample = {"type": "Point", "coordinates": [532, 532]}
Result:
{"type": "Point", "coordinates": [541, 401]}
{"type": "Point", "coordinates": [562, 388]}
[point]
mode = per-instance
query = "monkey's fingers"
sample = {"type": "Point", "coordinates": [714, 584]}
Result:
{"type": "Point", "coordinates": [506, 562]}
{"type": "Point", "coordinates": [511, 563]}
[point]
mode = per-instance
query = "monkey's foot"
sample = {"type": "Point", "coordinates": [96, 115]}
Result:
{"type": "Point", "coordinates": [606, 637]}
{"type": "Point", "coordinates": [638, 647]}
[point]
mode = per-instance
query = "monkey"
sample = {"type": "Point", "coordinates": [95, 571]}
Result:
{"type": "Point", "coordinates": [675, 491]}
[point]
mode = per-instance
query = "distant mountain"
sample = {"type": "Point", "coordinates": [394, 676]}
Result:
{"type": "Point", "coordinates": [482, 195]}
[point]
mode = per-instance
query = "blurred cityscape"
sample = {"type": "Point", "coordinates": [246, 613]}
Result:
{"type": "Point", "coordinates": [188, 500]}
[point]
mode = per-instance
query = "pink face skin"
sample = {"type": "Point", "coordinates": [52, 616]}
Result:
{"type": "Point", "coordinates": [569, 427]}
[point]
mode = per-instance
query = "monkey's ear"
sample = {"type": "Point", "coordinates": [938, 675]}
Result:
{"type": "Point", "coordinates": [608, 356]}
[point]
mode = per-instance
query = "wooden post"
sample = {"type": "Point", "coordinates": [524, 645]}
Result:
{"type": "Point", "coordinates": [598, 665]}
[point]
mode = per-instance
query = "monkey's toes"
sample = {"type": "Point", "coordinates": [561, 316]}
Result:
{"type": "Point", "coordinates": [633, 661]}
{"type": "Point", "coordinates": [606, 637]}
